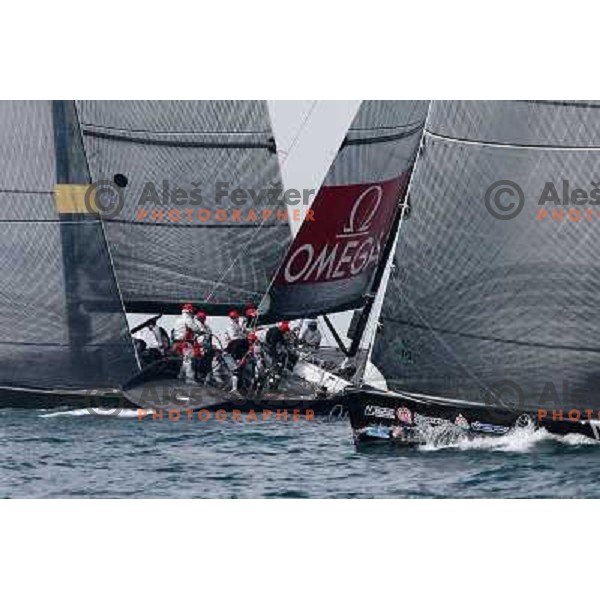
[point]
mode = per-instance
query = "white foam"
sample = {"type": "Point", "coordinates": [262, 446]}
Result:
{"type": "Point", "coordinates": [519, 439]}
{"type": "Point", "coordinates": [576, 439]}
{"type": "Point", "coordinates": [124, 413]}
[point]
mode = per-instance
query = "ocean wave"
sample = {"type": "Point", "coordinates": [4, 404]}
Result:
{"type": "Point", "coordinates": [519, 439]}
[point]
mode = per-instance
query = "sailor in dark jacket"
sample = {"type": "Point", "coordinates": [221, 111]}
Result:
{"type": "Point", "coordinates": [279, 343]}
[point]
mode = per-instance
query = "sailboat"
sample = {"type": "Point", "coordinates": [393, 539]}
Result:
{"type": "Point", "coordinates": [335, 261]}
{"type": "Point", "coordinates": [74, 263]}
{"type": "Point", "coordinates": [331, 263]}
{"type": "Point", "coordinates": [488, 320]}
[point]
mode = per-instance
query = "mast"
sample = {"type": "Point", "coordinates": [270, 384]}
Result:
{"type": "Point", "coordinates": [70, 203]}
{"type": "Point", "coordinates": [365, 311]}
{"type": "Point", "coordinates": [385, 266]}
{"type": "Point", "coordinates": [91, 289]}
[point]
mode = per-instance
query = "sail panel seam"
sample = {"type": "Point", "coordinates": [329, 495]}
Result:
{"type": "Point", "coordinates": [458, 140]}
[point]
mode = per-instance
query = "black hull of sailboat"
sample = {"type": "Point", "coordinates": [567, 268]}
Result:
{"type": "Point", "coordinates": [380, 417]}
{"type": "Point", "coordinates": [177, 395]}
{"type": "Point", "coordinates": [159, 386]}
{"type": "Point", "coordinates": [37, 398]}
{"type": "Point", "coordinates": [113, 400]}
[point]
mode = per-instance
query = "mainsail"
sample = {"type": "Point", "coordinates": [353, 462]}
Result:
{"type": "Point", "coordinates": [330, 265]}
{"type": "Point", "coordinates": [171, 157]}
{"type": "Point", "coordinates": [62, 323]}
{"type": "Point", "coordinates": [497, 282]}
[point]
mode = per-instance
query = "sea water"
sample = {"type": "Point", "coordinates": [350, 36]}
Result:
{"type": "Point", "coordinates": [72, 453]}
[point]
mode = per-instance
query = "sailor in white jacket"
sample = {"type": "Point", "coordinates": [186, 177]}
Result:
{"type": "Point", "coordinates": [311, 336]}
{"type": "Point", "coordinates": [185, 325]}
{"type": "Point", "coordinates": [237, 345]}
{"type": "Point", "coordinates": [183, 335]}
{"type": "Point", "coordinates": [203, 328]}
{"type": "Point", "coordinates": [203, 346]}
{"type": "Point", "coordinates": [235, 329]}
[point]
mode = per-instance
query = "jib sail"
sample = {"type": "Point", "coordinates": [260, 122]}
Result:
{"type": "Point", "coordinates": [190, 181]}
{"type": "Point", "coordinates": [330, 265]}
{"type": "Point", "coordinates": [495, 294]}
{"type": "Point", "coordinates": [61, 318]}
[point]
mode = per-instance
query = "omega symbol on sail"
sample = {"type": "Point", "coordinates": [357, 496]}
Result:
{"type": "Point", "coordinates": [345, 244]}
{"type": "Point", "coordinates": [359, 224]}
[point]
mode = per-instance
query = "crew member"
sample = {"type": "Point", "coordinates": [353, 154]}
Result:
{"type": "Point", "coordinates": [310, 335]}
{"type": "Point", "coordinates": [152, 342]}
{"type": "Point", "coordinates": [237, 345]}
{"type": "Point", "coordinates": [203, 327]}
{"type": "Point", "coordinates": [184, 331]}
{"type": "Point", "coordinates": [203, 348]}
{"type": "Point", "coordinates": [251, 366]}
{"type": "Point", "coordinates": [279, 344]}
{"type": "Point", "coordinates": [250, 315]}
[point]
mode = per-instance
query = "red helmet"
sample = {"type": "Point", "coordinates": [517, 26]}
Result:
{"type": "Point", "coordinates": [252, 337]}
{"type": "Point", "coordinates": [284, 326]}
{"type": "Point", "coordinates": [251, 312]}
{"type": "Point", "coordinates": [234, 314]}
{"type": "Point", "coordinates": [201, 315]}
{"type": "Point", "coordinates": [187, 308]}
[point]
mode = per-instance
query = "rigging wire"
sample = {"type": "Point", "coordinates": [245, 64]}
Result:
{"type": "Point", "coordinates": [259, 228]}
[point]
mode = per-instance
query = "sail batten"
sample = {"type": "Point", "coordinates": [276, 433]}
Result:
{"type": "Point", "coordinates": [183, 139]}
{"type": "Point", "coordinates": [468, 142]}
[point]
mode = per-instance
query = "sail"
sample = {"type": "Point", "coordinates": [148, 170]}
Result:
{"type": "Point", "coordinates": [176, 230]}
{"type": "Point", "coordinates": [309, 134]}
{"type": "Point", "coordinates": [497, 282]}
{"type": "Point", "coordinates": [330, 265]}
{"type": "Point", "coordinates": [61, 318]}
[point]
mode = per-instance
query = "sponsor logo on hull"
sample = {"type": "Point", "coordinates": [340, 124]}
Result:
{"type": "Point", "coordinates": [405, 415]}
{"type": "Point", "coordinates": [430, 421]}
{"type": "Point", "coordinates": [380, 412]}
{"type": "Point", "coordinates": [489, 428]}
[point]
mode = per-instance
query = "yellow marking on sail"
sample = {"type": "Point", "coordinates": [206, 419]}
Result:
{"type": "Point", "coordinates": [75, 198]}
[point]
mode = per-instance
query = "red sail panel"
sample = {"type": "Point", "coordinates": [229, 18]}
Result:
{"type": "Point", "coordinates": [330, 264]}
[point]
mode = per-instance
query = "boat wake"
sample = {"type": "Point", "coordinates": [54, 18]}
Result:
{"type": "Point", "coordinates": [521, 439]}
{"type": "Point", "coordinates": [119, 413]}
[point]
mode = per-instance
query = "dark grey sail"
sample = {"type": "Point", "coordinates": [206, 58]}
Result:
{"type": "Point", "coordinates": [496, 288]}
{"type": "Point", "coordinates": [62, 323]}
{"type": "Point", "coordinates": [330, 266]}
{"type": "Point", "coordinates": [147, 151]}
